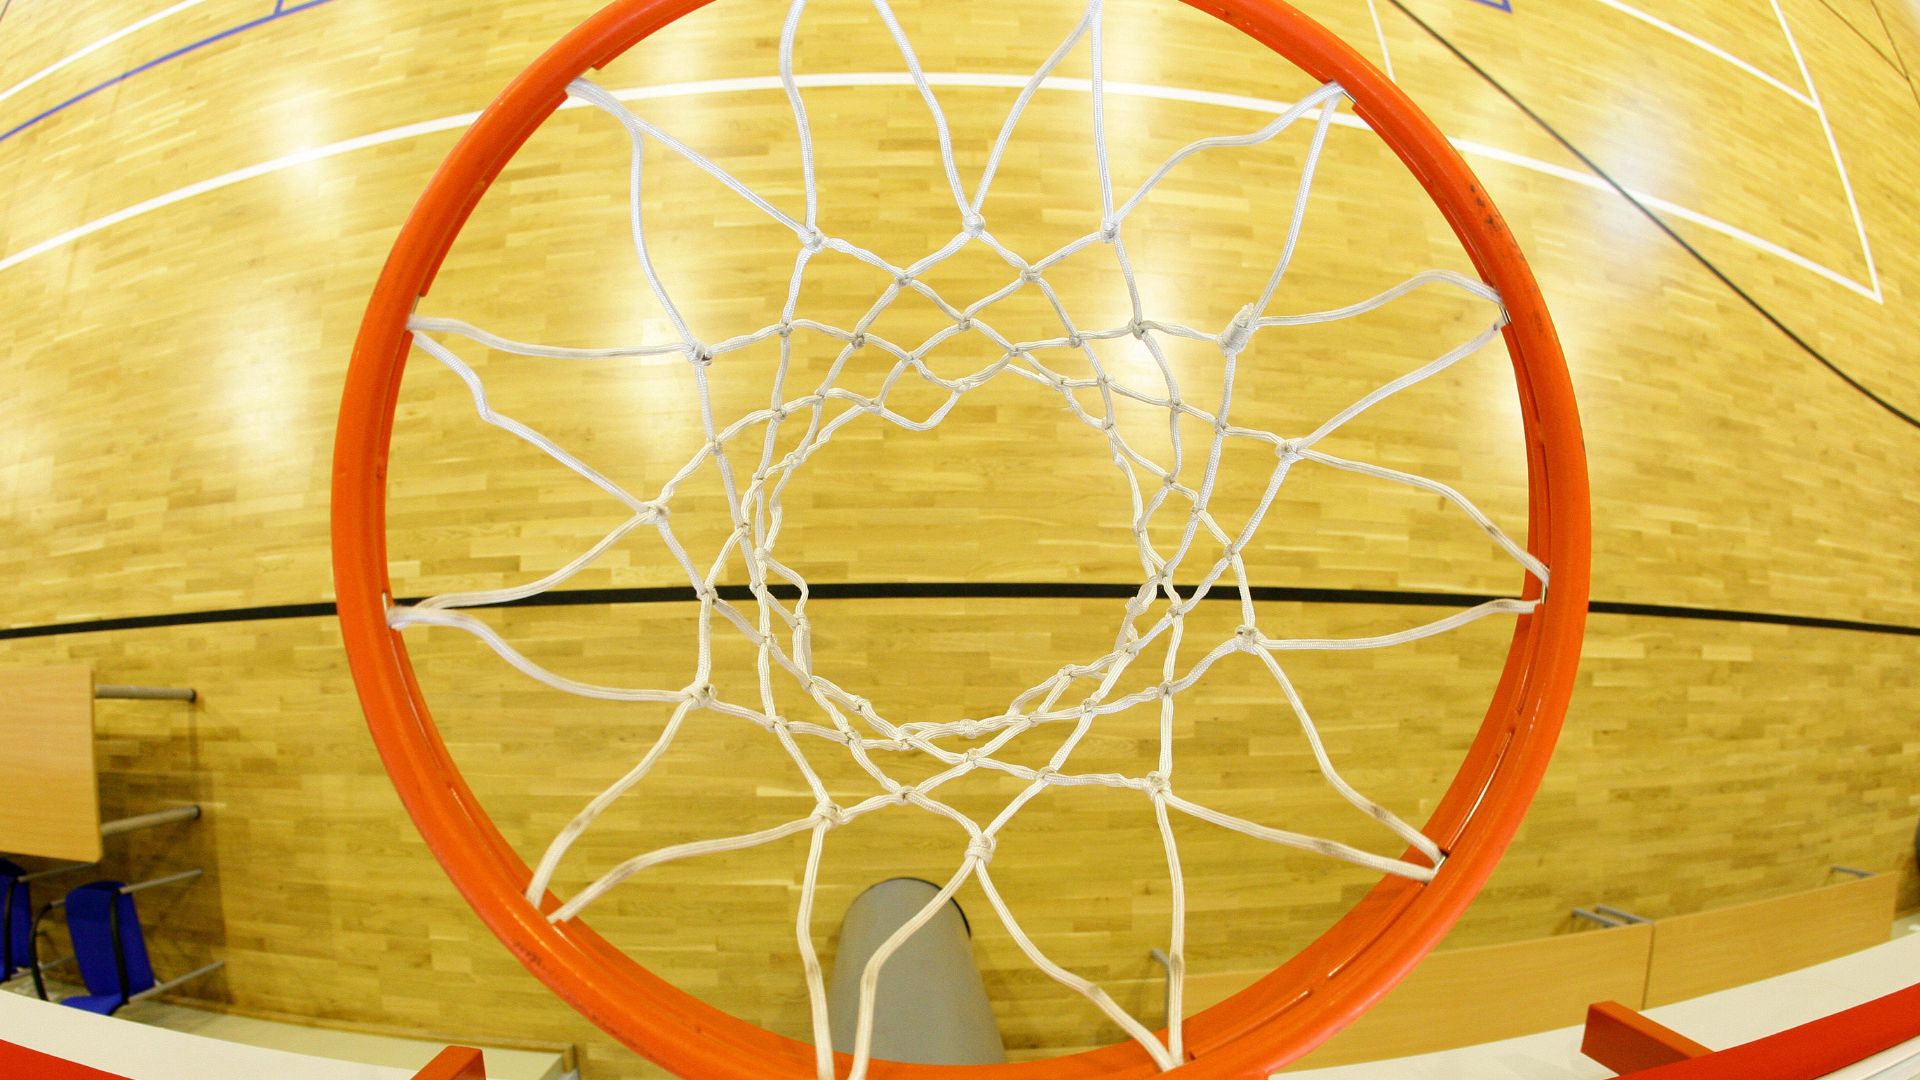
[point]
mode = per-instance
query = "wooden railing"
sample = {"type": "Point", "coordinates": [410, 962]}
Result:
{"type": "Point", "coordinates": [1731, 946]}
{"type": "Point", "coordinates": [1459, 997]}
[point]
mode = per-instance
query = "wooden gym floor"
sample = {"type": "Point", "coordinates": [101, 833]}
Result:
{"type": "Point", "coordinates": [198, 198]}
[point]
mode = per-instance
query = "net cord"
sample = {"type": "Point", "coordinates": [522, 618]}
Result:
{"type": "Point", "coordinates": [756, 511]}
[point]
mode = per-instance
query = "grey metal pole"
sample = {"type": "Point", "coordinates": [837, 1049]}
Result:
{"type": "Point", "coordinates": [1623, 916]}
{"type": "Point", "coordinates": [145, 693]}
{"type": "Point", "coordinates": [189, 812]}
{"type": "Point", "coordinates": [1166, 1003]}
{"type": "Point", "coordinates": [184, 875]}
{"type": "Point", "coordinates": [1583, 913]}
{"type": "Point", "coordinates": [161, 988]}
{"type": "Point", "coordinates": [129, 890]}
{"type": "Point", "coordinates": [55, 871]}
{"type": "Point", "coordinates": [931, 1006]}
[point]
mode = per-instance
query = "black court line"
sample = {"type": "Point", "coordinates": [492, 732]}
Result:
{"type": "Point", "coordinates": [280, 11]}
{"type": "Point", "coordinates": [1658, 221]}
{"type": "Point", "coordinates": [1857, 32]}
{"type": "Point", "coordinates": [1893, 43]}
{"type": "Point", "coordinates": [946, 590]}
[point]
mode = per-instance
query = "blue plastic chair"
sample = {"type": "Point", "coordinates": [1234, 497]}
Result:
{"type": "Point", "coordinates": [16, 921]}
{"type": "Point", "coordinates": [108, 947]}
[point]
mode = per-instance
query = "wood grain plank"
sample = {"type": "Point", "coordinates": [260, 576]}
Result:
{"type": "Point", "coordinates": [51, 801]}
{"type": "Point", "coordinates": [1713, 950]}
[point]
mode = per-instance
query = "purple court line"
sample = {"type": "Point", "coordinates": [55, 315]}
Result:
{"type": "Point", "coordinates": [1498, 5]}
{"type": "Point", "coordinates": [281, 9]}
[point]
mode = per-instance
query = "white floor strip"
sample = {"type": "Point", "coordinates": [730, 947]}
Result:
{"type": "Point", "coordinates": [1386, 58]}
{"type": "Point", "coordinates": [1846, 185]}
{"type": "Point", "coordinates": [1701, 43]}
{"type": "Point", "coordinates": [180, 195]}
{"type": "Point", "coordinates": [98, 45]}
{"type": "Point", "coordinates": [1586, 179]}
{"type": "Point", "coordinates": [900, 79]}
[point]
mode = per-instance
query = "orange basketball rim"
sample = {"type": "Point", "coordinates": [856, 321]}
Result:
{"type": "Point", "coordinates": [1271, 1022]}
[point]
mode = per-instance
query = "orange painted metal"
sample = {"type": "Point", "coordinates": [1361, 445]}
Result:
{"type": "Point", "coordinates": [1814, 1049]}
{"type": "Point", "coordinates": [454, 1063]}
{"type": "Point", "coordinates": [21, 1061]}
{"type": "Point", "coordinates": [1623, 1040]}
{"type": "Point", "coordinates": [1272, 1022]}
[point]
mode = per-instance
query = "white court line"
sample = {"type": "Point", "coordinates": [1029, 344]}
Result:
{"type": "Point", "coordinates": [1586, 179]}
{"type": "Point", "coordinates": [179, 195]}
{"type": "Point", "coordinates": [97, 46]}
{"type": "Point", "coordinates": [1701, 43]}
{"type": "Point", "coordinates": [896, 79]}
{"type": "Point", "coordinates": [1846, 185]}
{"type": "Point", "coordinates": [1386, 58]}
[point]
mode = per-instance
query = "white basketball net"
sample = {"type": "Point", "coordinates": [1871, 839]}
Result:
{"type": "Point", "coordinates": [1078, 695]}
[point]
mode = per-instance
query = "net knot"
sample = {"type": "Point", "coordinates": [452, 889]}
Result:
{"type": "Point", "coordinates": [700, 694]}
{"type": "Point", "coordinates": [969, 729]}
{"type": "Point", "coordinates": [980, 848]}
{"type": "Point", "coordinates": [1109, 230]}
{"type": "Point", "coordinates": [699, 354]}
{"type": "Point", "coordinates": [786, 328]}
{"type": "Point", "coordinates": [1238, 332]}
{"type": "Point", "coordinates": [1046, 775]}
{"type": "Point", "coordinates": [903, 280]}
{"type": "Point", "coordinates": [1289, 450]}
{"type": "Point", "coordinates": [1249, 637]}
{"type": "Point", "coordinates": [1158, 785]}
{"type": "Point", "coordinates": [858, 340]}
{"type": "Point", "coordinates": [1137, 328]}
{"type": "Point", "coordinates": [813, 240]}
{"type": "Point", "coordinates": [1075, 341]}
{"type": "Point", "coordinates": [974, 755]}
{"type": "Point", "coordinates": [1030, 275]}
{"type": "Point", "coordinates": [830, 814]}
{"type": "Point", "coordinates": [973, 224]}
{"type": "Point", "coordinates": [653, 512]}
{"type": "Point", "coordinates": [902, 796]}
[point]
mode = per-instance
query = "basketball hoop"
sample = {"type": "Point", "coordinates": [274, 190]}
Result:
{"type": "Point", "coordinates": [1273, 1021]}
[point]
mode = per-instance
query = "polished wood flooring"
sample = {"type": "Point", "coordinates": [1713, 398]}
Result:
{"type": "Point", "coordinates": [168, 383]}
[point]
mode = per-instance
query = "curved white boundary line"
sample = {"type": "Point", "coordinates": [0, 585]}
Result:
{"type": "Point", "coordinates": [1826, 126]}
{"type": "Point", "coordinates": [901, 79]}
{"type": "Point", "coordinates": [98, 45]}
{"type": "Point", "coordinates": [1709, 47]}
